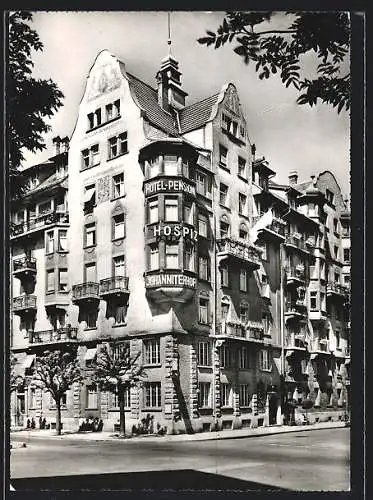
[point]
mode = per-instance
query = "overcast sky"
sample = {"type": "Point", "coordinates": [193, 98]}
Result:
{"type": "Point", "coordinates": [291, 137]}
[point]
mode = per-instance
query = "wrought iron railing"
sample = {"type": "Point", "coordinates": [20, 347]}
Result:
{"type": "Point", "coordinates": [39, 222]}
{"type": "Point", "coordinates": [239, 249]}
{"type": "Point", "coordinates": [24, 302]}
{"type": "Point", "coordinates": [59, 335]}
{"type": "Point", "coordinates": [24, 263]}
{"type": "Point", "coordinates": [277, 225]}
{"type": "Point", "coordinates": [113, 284]}
{"type": "Point", "coordinates": [85, 291]}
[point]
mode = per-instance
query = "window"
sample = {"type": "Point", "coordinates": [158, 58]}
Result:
{"type": "Point", "coordinates": [243, 358]}
{"type": "Point", "coordinates": [90, 235]}
{"type": "Point", "coordinates": [118, 145]}
{"type": "Point", "coordinates": [225, 356]}
{"type": "Point", "coordinates": [62, 240]}
{"type": "Point", "coordinates": [244, 395]}
{"type": "Point", "coordinates": [112, 110]}
{"type": "Point", "coordinates": [224, 309]}
{"type": "Point", "coordinates": [313, 300]}
{"type": "Point", "coordinates": [223, 193]}
{"type": "Point", "coordinates": [242, 203]}
{"type": "Point", "coordinates": [172, 256]}
{"type": "Point", "coordinates": [114, 401]}
{"type": "Point", "coordinates": [242, 131]}
{"type": "Point", "coordinates": [243, 280]}
{"type": "Point", "coordinates": [346, 279]}
{"type": "Point", "coordinates": [154, 257]}
{"type": "Point", "coordinates": [346, 255]}
{"type": "Point", "coordinates": [170, 165]}
{"type": "Point", "coordinates": [89, 198]}
{"type": "Point", "coordinates": [52, 402]}
{"type": "Point", "coordinates": [322, 301]}
{"type": "Point", "coordinates": [118, 185]}
{"type": "Point", "coordinates": [311, 209]}
{"type": "Point", "coordinates": [171, 209]}
{"type": "Point", "coordinates": [119, 268]}
{"type": "Point", "coordinates": [202, 225]}
{"type": "Point", "coordinates": [50, 280]}
{"type": "Point", "coordinates": [335, 225]}
{"type": "Point", "coordinates": [266, 322]}
{"type": "Point", "coordinates": [337, 339]}
{"type": "Point", "coordinates": [226, 122]}
{"type": "Point", "coordinates": [91, 396]}
{"type": "Point", "coordinates": [153, 167]}
{"type": "Point", "coordinates": [152, 392]}
{"type": "Point", "coordinates": [263, 246]}
{"type": "Point", "coordinates": [243, 233]}
{"type": "Point", "coordinates": [264, 360]}
{"type": "Point", "coordinates": [153, 212]}
{"type": "Point", "coordinates": [118, 227]}
{"type": "Point", "coordinates": [225, 395]}
{"type": "Point", "coordinates": [49, 242]}
{"type": "Point", "coordinates": [204, 354]}
{"type": "Point", "coordinates": [188, 214]}
{"type": "Point", "coordinates": [59, 204]}
{"type": "Point", "coordinates": [329, 196]}
{"type": "Point", "coordinates": [234, 128]}
{"type": "Point", "coordinates": [224, 276]}
{"type": "Point", "coordinates": [224, 229]}
{"type": "Point", "coordinates": [90, 317]}
{"type": "Point", "coordinates": [90, 273]}
{"type": "Point", "coordinates": [90, 157]}
{"type": "Point", "coordinates": [242, 167]}
{"type": "Point", "coordinates": [223, 152]}
{"type": "Point", "coordinates": [244, 312]}
{"type": "Point", "coordinates": [189, 258]}
{"type": "Point", "coordinates": [203, 268]}
{"type": "Point", "coordinates": [203, 310]}
{"type": "Point", "coordinates": [204, 394]}
{"type": "Point", "coordinates": [44, 208]}
{"type": "Point", "coordinates": [152, 355]}
{"type": "Point", "coordinates": [32, 396]}
{"type": "Point", "coordinates": [62, 280]}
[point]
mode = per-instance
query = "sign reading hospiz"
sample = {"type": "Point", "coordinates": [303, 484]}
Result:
{"type": "Point", "coordinates": [176, 231]}
{"type": "Point", "coordinates": [169, 185]}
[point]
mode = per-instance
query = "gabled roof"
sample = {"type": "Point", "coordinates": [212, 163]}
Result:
{"type": "Point", "coordinates": [52, 181]}
{"type": "Point", "coordinates": [198, 114]}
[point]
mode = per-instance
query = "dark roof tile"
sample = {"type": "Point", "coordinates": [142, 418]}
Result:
{"type": "Point", "coordinates": [198, 114]}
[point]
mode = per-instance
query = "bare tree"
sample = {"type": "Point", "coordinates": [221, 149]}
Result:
{"type": "Point", "coordinates": [55, 372]}
{"type": "Point", "coordinates": [116, 370]}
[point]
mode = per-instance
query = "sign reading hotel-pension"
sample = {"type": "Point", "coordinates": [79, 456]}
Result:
{"type": "Point", "coordinates": [170, 185]}
{"type": "Point", "coordinates": [166, 279]}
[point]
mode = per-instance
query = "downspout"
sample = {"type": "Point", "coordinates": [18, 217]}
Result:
{"type": "Point", "coordinates": [215, 288]}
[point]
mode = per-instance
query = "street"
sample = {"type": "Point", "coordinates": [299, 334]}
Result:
{"type": "Point", "coordinates": [304, 461]}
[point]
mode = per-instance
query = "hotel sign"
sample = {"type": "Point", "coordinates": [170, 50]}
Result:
{"type": "Point", "coordinates": [175, 231]}
{"type": "Point", "coordinates": [169, 185]}
{"type": "Point", "coordinates": [170, 280]}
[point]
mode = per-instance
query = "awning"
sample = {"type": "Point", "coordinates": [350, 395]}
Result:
{"type": "Point", "coordinates": [90, 354]}
{"type": "Point", "coordinates": [88, 195]}
{"type": "Point", "coordinates": [30, 358]}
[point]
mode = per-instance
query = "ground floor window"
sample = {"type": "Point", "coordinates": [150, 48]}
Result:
{"type": "Point", "coordinates": [91, 396]}
{"type": "Point", "coordinates": [244, 395]}
{"type": "Point", "coordinates": [204, 395]}
{"type": "Point", "coordinates": [226, 395]}
{"type": "Point", "coordinates": [114, 400]}
{"type": "Point", "coordinates": [152, 393]}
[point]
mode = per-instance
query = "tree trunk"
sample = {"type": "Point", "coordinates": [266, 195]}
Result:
{"type": "Point", "coordinates": [122, 415]}
{"type": "Point", "coordinates": [58, 417]}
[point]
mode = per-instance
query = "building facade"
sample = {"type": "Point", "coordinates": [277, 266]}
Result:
{"type": "Point", "coordinates": [156, 225]}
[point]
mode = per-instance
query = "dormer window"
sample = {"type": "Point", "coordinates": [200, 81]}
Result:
{"type": "Point", "coordinates": [329, 196]}
{"type": "Point", "coordinates": [34, 181]}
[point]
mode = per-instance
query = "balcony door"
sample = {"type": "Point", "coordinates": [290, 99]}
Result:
{"type": "Point", "coordinates": [90, 273]}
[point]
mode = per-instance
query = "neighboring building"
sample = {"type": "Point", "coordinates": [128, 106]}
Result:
{"type": "Point", "coordinates": [163, 202]}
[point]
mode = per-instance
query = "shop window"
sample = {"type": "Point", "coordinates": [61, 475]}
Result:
{"type": "Point", "coordinates": [151, 351]}
{"type": "Point", "coordinates": [204, 354]}
{"type": "Point", "coordinates": [91, 401]}
{"type": "Point", "coordinates": [204, 391]}
{"type": "Point", "coordinates": [172, 256]}
{"type": "Point", "coordinates": [152, 393]}
{"type": "Point", "coordinates": [118, 145]}
{"type": "Point", "coordinates": [62, 280]}
{"type": "Point", "coordinates": [226, 395]}
{"type": "Point", "coordinates": [118, 185]}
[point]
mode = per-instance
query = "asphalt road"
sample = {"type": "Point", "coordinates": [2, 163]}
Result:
{"type": "Point", "coordinates": [302, 461]}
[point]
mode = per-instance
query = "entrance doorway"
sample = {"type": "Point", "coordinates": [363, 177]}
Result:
{"type": "Point", "coordinates": [272, 417]}
{"type": "Point", "coordinates": [20, 410]}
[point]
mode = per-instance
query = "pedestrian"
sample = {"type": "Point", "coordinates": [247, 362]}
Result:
{"type": "Point", "coordinates": [44, 423]}
{"type": "Point", "coordinates": [40, 422]}
{"type": "Point", "coordinates": [28, 424]}
{"type": "Point", "coordinates": [33, 425]}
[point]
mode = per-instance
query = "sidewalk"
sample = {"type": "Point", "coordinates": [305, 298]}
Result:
{"type": "Point", "coordinates": [203, 436]}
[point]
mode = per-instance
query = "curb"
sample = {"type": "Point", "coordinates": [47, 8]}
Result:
{"type": "Point", "coordinates": [237, 434]}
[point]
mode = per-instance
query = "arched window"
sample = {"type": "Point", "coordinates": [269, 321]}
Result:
{"type": "Point", "coordinates": [244, 312]}
{"type": "Point", "coordinates": [225, 307]}
{"type": "Point", "coordinates": [243, 233]}
{"type": "Point", "coordinates": [224, 227]}
{"type": "Point", "coordinates": [204, 308]}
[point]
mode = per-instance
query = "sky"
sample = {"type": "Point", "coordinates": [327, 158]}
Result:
{"type": "Point", "coordinates": [291, 137]}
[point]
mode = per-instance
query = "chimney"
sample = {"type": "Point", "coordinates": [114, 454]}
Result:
{"type": "Point", "coordinates": [65, 144]}
{"type": "Point", "coordinates": [57, 141]}
{"type": "Point", "coordinates": [293, 177]}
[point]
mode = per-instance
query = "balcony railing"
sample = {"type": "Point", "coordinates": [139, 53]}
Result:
{"type": "Point", "coordinates": [85, 291]}
{"type": "Point", "coordinates": [24, 265]}
{"type": "Point", "coordinates": [229, 247]}
{"type": "Point", "coordinates": [336, 289]}
{"type": "Point", "coordinates": [251, 330]}
{"type": "Point", "coordinates": [295, 274]}
{"type": "Point", "coordinates": [24, 302]}
{"type": "Point", "coordinates": [114, 285]}
{"type": "Point", "coordinates": [39, 222]}
{"type": "Point", "coordinates": [277, 225]}
{"type": "Point", "coordinates": [307, 245]}
{"type": "Point", "coordinates": [63, 334]}
{"type": "Point", "coordinates": [320, 345]}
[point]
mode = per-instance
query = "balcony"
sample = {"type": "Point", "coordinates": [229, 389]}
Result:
{"type": "Point", "coordinates": [170, 285]}
{"type": "Point", "coordinates": [295, 311]}
{"type": "Point", "coordinates": [317, 315]}
{"type": "Point", "coordinates": [337, 290]}
{"type": "Point", "coordinates": [300, 243]}
{"type": "Point", "coordinates": [61, 335]}
{"type": "Point", "coordinates": [295, 275]}
{"type": "Point", "coordinates": [252, 330]}
{"type": "Point", "coordinates": [24, 268]}
{"type": "Point", "coordinates": [319, 346]}
{"type": "Point", "coordinates": [228, 248]}
{"type": "Point", "coordinates": [115, 286]}
{"type": "Point", "coordinates": [274, 230]}
{"type": "Point", "coordinates": [39, 223]}
{"type": "Point", "coordinates": [85, 292]}
{"type": "Point", "coordinates": [24, 304]}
